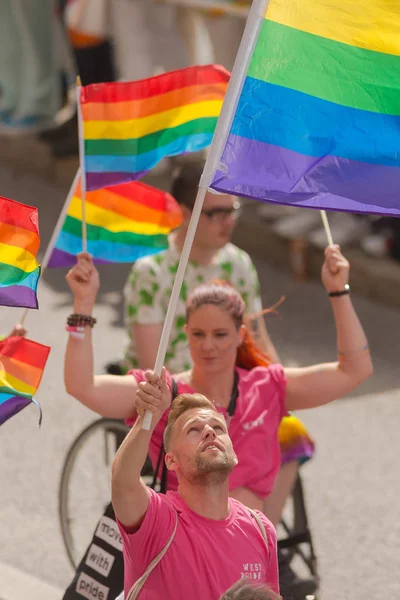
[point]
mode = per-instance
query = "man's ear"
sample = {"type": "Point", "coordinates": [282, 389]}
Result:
{"type": "Point", "coordinates": [170, 462]}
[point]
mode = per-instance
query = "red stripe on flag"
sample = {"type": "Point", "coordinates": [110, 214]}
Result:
{"type": "Point", "coordinates": [24, 350]}
{"type": "Point", "coordinates": [154, 86]}
{"type": "Point", "coordinates": [19, 215]}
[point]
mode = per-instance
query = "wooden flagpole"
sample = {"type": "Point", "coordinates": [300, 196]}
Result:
{"type": "Point", "coordinates": [82, 161]}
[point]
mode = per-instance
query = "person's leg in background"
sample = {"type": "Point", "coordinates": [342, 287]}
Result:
{"type": "Point", "coordinates": [39, 84]}
{"type": "Point", "coordinates": [9, 61]}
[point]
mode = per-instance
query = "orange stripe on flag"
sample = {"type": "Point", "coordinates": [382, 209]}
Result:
{"type": "Point", "coordinates": [21, 238]}
{"type": "Point", "coordinates": [135, 109]}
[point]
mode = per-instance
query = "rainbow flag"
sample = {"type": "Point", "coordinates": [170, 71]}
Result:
{"type": "Point", "coordinates": [22, 363]}
{"type": "Point", "coordinates": [124, 222]}
{"type": "Point", "coordinates": [19, 244]}
{"type": "Point", "coordinates": [128, 127]}
{"type": "Point", "coordinates": [317, 122]}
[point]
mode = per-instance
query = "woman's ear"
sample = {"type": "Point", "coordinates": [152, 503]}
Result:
{"type": "Point", "coordinates": [242, 334]}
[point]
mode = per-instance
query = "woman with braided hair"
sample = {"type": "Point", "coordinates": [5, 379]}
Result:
{"type": "Point", "coordinates": [252, 394]}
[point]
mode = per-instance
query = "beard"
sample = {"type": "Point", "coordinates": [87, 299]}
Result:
{"type": "Point", "coordinates": [212, 470]}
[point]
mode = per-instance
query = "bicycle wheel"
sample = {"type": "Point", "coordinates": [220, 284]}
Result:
{"type": "Point", "coordinates": [85, 488]}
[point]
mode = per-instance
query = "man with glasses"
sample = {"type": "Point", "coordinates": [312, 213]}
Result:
{"type": "Point", "coordinates": [148, 289]}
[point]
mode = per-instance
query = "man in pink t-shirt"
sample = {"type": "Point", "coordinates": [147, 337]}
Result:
{"type": "Point", "coordinates": [214, 540]}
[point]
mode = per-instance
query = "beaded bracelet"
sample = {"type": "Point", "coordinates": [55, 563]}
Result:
{"type": "Point", "coordinates": [78, 320]}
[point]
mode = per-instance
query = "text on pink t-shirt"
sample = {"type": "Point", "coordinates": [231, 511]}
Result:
{"type": "Point", "coordinates": [206, 556]}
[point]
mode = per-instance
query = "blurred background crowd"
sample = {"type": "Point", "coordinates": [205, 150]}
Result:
{"type": "Point", "coordinates": [47, 43]}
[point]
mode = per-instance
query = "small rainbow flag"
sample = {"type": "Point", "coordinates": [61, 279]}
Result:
{"type": "Point", "coordinates": [123, 223]}
{"type": "Point", "coordinates": [317, 122]}
{"type": "Point", "coordinates": [22, 363]}
{"type": "Point", "coordinates": [128, 127]}
{"type": "Point", "coordinates": [19, 244]}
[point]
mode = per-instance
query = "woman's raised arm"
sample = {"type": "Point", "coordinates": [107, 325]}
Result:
{"type": "Point", "coordinates": [109, 395]}
{"type": "Point", "coordinates": [313, 386]}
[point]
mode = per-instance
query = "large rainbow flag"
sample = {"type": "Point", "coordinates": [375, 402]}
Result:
{"type": "Point", "coordinates": [19, 244]}
{"type": "Point", "coordinates": [128, 127]}
{"type": "Point", "coordinates": [22, 363]}
{"type": "Point", "coordinates": [317, 122]}
{"type": "Point", "coordinates": [123, 223]}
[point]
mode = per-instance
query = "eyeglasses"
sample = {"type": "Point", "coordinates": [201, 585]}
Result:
{"type": "Point", "coordinates": [219, 212]}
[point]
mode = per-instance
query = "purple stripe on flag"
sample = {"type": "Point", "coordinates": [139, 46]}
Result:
{"type": "Point", "coordinates": [60, 259]}
{"type": "Point", "coordinates": [18, 295]}
{"type": "Point", "coordinates": [11, 407]}
{"type": "Point", "coordinates": [94, 181]}
{"type": "Point", "coordinates": [265, 172]}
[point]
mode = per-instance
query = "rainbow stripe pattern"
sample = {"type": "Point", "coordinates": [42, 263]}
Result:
{"type": "Point", "coordinates": [128, 127]}
{"type": "Point", "coordinates": [22, 363]}
{"type": "Point", "coordinates": [318, 118]}
{"type": "Point", "coordinates": [294, 440]}
{"type": "Point", "coordinates": [123, 223]}
{"type": "Point", "coordinates": [19, 244]}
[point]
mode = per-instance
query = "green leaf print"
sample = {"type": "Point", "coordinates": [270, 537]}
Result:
{"type": "Point", "coordinates": [245, 296]}
{"type": "Point", "coordinates": [132, 310]}
{"type": "Point", "coordinates": [187, 367]}
{"type": "Point", "coordinates": [152, 271]}
{"type": "Point", "coordinates": [133, 278]}
{"type": "Point", "coordinates": [173, 268]}
{"type": "Point", "coordinates": [158, 259]}
{"type": "Point", "coordinates": [146, 298]}
{"type": "Point", "coordinates": [155, 287]}
{"type": "Point", "coordinates": [169, 356]}
{"type": "Point", "coordinates": [184, 292]}
{"type": "Point", "coordinates": [180, 322]}
{"type": "Point", "coordinates": [200, 278]}
{"type": "Point", "coordinates": [241, 282]}
{"type": "Point", "coordinates": [181, 337]}
{"type": "Point", "coordinates": [227, 268]}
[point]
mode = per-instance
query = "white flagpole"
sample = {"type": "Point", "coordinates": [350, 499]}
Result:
{"type": "Point", "coordinates": [54, 235]}
{"type": "Point", "coordinates": [81, 161]}
{"type": "Point", "coordinates": [325, 222]}
{"type": "Point", "coordinates": [238, 75]}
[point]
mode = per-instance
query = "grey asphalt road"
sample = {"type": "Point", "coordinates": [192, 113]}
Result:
{"type": "Point", "coordinates": [352, 484]}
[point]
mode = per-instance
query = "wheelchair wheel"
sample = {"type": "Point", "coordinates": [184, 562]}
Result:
{"type": "Point", "coordinates": [85, 488]}
{"type": "Point", "coordinates": [294, 536]}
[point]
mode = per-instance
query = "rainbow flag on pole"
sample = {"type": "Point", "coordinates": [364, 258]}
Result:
{"type": "Point", "coordinates": [317, 118]}
{"type": "Point", "coordinates": [22, 363]}
{"type": "Point", "coordinates": [19, 244]}
{"type": "Point", "coordinates": [128, 127]}
{"type": "Point", "coordinates": [124, 222]}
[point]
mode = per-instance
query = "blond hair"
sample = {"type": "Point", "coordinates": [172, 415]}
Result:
{"type": "Point", "coordinates": [243, 590]}
{"type": "Point", "coordinates": [181, 404]}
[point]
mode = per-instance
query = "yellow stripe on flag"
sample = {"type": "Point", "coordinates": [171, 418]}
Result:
{"type": "Point", "coordinates": [111, 220]}
{"type": "Point", "coordinates": [370, 24]}
{"type": "Point", "coordinates": [18, 257]}
{"type": "Point", "coordinates": [137, 128]}
{"type": "Point", "coordinates": [14, 384]}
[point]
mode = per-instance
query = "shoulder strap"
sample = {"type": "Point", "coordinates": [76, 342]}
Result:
{"type": "Point", "coordinates": [260, 526]}
{"type": "Point", "coordinates": [163, 479]}
{"type": "Point", "coordinates": [138, 585]}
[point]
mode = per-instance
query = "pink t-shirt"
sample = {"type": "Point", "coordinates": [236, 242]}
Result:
{"type": "Point", "coordinates": [206, 556]}
{"type": "Point", "coordinates": [253, 429]}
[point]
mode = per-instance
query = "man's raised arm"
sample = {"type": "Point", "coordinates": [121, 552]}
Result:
{"type": "Point", "coordinates": [129, 493]}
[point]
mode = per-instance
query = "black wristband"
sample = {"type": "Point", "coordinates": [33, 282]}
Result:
{"type": "Point", "coordinates": [343, 292]}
